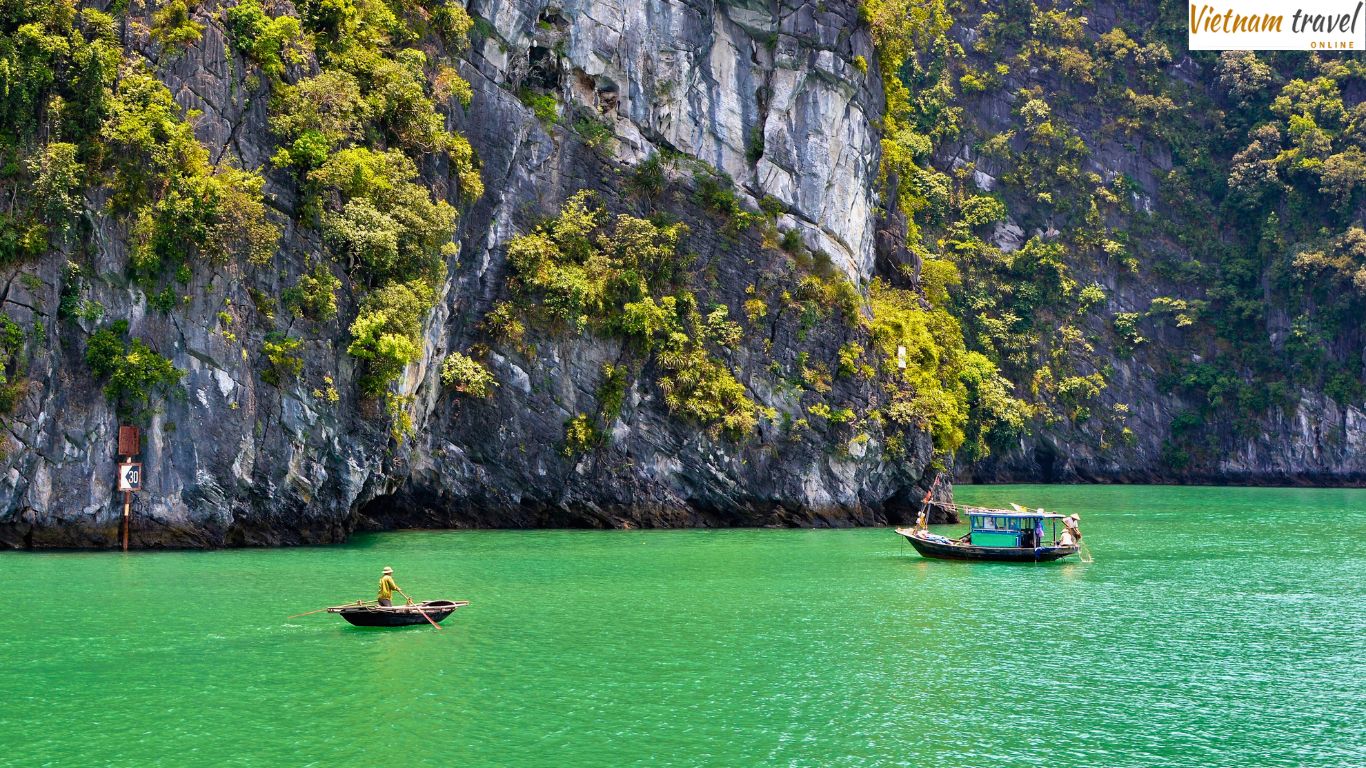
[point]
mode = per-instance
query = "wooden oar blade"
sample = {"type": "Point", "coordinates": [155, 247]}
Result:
{"type": "Point", "coordinates": [428, 618]}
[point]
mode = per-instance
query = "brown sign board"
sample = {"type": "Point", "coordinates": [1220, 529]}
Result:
{"type": "Point", "coordinates": [130, 442]}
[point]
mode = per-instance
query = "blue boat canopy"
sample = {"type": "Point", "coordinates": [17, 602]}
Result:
{"type": "Point", "coordinates": [973, 511]}
{"type": "Point", "coordinates": [1006, 529]}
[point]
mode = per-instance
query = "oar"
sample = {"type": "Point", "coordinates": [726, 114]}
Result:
{"type": "Point", "coordinates": [428, 618]}
{"type": "Point", "coordinates": [419, 610]}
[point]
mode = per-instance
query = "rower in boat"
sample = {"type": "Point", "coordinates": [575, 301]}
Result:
{"type": "Point", "coordinates": [1001, 534]}
{"type": "Point", "coordinates": [382, 612]}
{"type": "Point", "coordinates": [387, 588]}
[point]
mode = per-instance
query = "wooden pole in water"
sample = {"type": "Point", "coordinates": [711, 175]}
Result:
{"type": "Point", "coordinates": [129, 474]}
{"type": "Point", "coordinates": [127, 511]}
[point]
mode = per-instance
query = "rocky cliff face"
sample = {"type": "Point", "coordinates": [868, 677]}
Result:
{"type": "Point", "coordinates": [762, 91]}
{"type": "Point", "coordinates": [1154, 248]}
{"type": "Point", "coordinates": [1201, 296]}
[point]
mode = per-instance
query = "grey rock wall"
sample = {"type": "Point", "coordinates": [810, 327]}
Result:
{"type": "Point", "coordinates": [766, 92]}
{"type": "Point", "coordinates": [232, 460]}
{"type": "Point", "coordinates": [1313, 441]}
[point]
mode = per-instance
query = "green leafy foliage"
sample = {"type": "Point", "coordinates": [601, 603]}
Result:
{"type": "Point", "coordinates": [595, 132]}
{"type": "Point", "coordinates": [12, 384]}
{"type": "Point", "coordinates": [958, 395]}
{"type": "Point", "coordinates": [385, 226]}
{"type": "Point", "coordinates": [587, 271]}
{"type": "Point", "coordinates": [270, 41]}
{"type": "Point", "coordinates": [944, 388]}
{"type": "Point", "coordinates": [78, 113]}
{"type": "Point", "coordinates": [387, 332]}
{"type": "Point", "coordinates": [172, 25]}
{"type": "Point", "coordinates": [648, 180]}
{"type": "Point", "coordinates": [544, 105]}
{"type": "Point", "coordinates": [1253, 227]}
{"type": "Point", "coordinates": [352, 132]}
{"type": "Point", "coordinates": [912, 345]}
{"type": "Point", "coordinates": [716, 193]}
{"type": "Point", "coordinates": [467, 376]}
{"type": "Point", "coordinates": [1126, 328]}
{"type": "Point", "coordinates": [581, 435]}
{"type": "Point", "coordinates": [57, 183]}
{"type": "Point", "coordinates": [180, 205]}
{"type": "Point", "coordinates": [583, 265]}
{"type": "Point", "coordinates": [316, 115]}
{"type": "Point", "coordinates": [284, 361]}
{"type": "Point", "coordinates": [135, 375]}
{"type": "Point", "coordinates": [314, 295]}
{"type": "Point", "coordinates": [612, 391]}
{"type": "Point", "coordinates": [105, 119]}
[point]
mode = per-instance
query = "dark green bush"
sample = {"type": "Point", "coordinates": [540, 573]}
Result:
{"type": "Point", "coordinates": [134, 373]}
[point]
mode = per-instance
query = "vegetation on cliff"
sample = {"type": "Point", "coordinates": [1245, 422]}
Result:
{"type": "Point", "coordinates": [1002, 144]}
{"type": "Point", "coordinates": [1255, 230]}
{"type": "Point", "coordinates": [134, 373]}
{"type": "Point", "coordinates": [352, 132]}
{"type": "Point", "coordinates": [620, 276]}
{"type": "Point", "coordinates": [88, 130]}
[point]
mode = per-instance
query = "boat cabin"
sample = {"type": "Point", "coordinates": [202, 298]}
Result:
{"type": "Point", "coordinates": [999, 528]}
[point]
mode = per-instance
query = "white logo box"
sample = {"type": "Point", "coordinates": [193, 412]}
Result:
{"type": "Point", "coordinates": [1263, 25]}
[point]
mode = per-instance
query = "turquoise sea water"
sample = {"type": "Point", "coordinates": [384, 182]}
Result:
{"type": "Point", "coordinates": [1216, 627]}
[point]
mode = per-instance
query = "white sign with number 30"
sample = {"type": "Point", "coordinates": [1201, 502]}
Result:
{"type": "Point", "coordinates": [130, 476]}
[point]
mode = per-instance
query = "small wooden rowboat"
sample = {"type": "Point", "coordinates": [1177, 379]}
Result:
{"type": "Point", "coordinates": [370, 615]}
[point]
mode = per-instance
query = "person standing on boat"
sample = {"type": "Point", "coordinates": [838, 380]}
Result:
{"type": "Point", "coordinates": [387, 588]}
{"type": "Point", "coordinates": [1071, 533]}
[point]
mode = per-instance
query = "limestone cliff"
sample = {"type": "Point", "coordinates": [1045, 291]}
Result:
{"type": "Point", "coordinates": [1157, 284]}
{"type": "Point", "coordinates": [765, 92]}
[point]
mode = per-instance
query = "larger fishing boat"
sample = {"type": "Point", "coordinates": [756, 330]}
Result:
{"type": "Point", "coordinates": [1018, 535]}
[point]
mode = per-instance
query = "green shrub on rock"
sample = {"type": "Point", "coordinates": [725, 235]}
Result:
{"type": "Point", "coordinates": [172, 25]}
{"type": "Point", "coordinates": [283, 358]}
{"type": "Point", "coordinates": [387, 333]}
{"type": "Point", "coordinates": [180, 204]}
{"type": "Point", "coordinates": [586, 271]}
{"type": "Point", "coordinates": [135, 373]}
{"type": "Point", "coordinates": [581, 435]}
{"type": "Point", "coordinates": [12, 387]}
{"type": "Point", "coordinates": [467, 376]}
{"type": "Point", "coordinates": [385, 226]}
{"type": "Point", "coordinates": [314, 295]}
{"type": "Point", "coordinates": [270, 41]}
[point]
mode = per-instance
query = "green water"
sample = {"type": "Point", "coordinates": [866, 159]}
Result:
{"type": "Point", "coordinates": [1216, 627]}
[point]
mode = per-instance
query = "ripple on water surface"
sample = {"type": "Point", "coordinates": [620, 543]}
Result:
{"type": "Point", "coordinates": [1217, 627]}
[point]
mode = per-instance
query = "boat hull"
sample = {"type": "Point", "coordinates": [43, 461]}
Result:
{"type": "Point", "coordinates": [398, 615]}
{"type": "Point", "coordinates": [956, 551]}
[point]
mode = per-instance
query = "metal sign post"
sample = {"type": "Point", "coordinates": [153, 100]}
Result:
{"type": "Point", "coordinates": [130, 474]}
